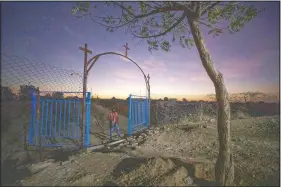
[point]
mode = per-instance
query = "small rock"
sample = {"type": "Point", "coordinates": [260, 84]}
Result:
{"type": "Point", "coordinates": [129, 138]}
{"type": "Point", "coordinates": [73, 161]}
{"type": "Point", "coordinates": [103, 141]}
{"type": "Point", "coordinates": [188, 180]}
{"type": "Point", "coordinates": [212, 120]}
{"type": "Point", "coordinates": [135, 144]}
{"type": "Point", "coordinates": [121, 145]}
{"type": "Point", "coordinates": [140, 138]}
{"type": "Point", "coordinates": [144, 135]}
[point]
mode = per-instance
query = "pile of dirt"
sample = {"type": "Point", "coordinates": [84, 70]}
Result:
{"type": "Point", "coordinates": [155, 171]}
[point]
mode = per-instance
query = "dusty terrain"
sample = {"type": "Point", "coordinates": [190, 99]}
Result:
{"type": "Point", "coordinates": [182, 154]}
{"type": "Point", "coordinates": [100, 125]}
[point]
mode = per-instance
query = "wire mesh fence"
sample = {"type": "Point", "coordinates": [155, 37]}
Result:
{"type": "Point", "coordinates": [19, 71]}
{"type": "Point", "coordinates": [171, 112]}
{"type": "Point", "coordinates": [20, 77]}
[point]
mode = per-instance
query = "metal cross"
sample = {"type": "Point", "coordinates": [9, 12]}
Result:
{"type": "Point", "coordinates": [85, 49]}
{"type": "Point", "coordinates": [126, 49]}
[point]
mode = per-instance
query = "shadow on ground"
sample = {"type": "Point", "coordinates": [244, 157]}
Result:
{"type": "Point", "coordinates": [13, 170]}
{"type": "Point", "coordinates": [11, 174]}
{"type": "Point", "coordinates": [132, 165]}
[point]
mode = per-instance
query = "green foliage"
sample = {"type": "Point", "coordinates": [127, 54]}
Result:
{"type": "Point", "coordinates": [153, 21]}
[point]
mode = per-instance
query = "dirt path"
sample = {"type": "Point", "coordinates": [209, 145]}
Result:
{"type": "Point", "coordinates": [99, 134]}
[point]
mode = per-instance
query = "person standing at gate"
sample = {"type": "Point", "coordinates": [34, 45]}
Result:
{"type": "Point", "coordinates": [113, 123]}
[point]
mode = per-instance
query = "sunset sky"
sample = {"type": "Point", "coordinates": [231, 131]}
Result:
{"type": "Point", "coordinates": [47, 32]}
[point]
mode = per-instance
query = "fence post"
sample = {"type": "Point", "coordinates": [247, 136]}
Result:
{"type": "Point", "coordinates": [147, 112]}
{"type": "Point", "coordinates": [88, 116]}
{"type": "Point", "coordinates": [149, 99]}
{"type": "Point", "coordinates": [33, 115]}
{"type": "Point", "coordinates": [130, 116]}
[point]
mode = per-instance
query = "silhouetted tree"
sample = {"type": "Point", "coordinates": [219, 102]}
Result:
{"type": "Point", "coordinates": [7, 94]}
{"type": "Point", "coordinates": [166, 99]}
{"type": "Point", "coordinates": [57, 95]}
{"type": "Point", "coordinates": [72, 98]}
{"type": "Point", "coordinates": [183, 20]}
{"type": "Point", "coordinates": [212, 97]}
{"type": "Point", "coordinates": [46, 96]}
{"type": "Point", "coordinates": [25, 91]}
{"type": "Point", "coordinates": [184, 100]}
{"type": "Point", "coordinates": [113, 99]}
{"type": "Point", "coordinates": [247, 96]}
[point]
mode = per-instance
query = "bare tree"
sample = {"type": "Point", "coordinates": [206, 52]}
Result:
{"type": "Point", "coordinates": [152, 21]}
{"type": "Point", "coordinates": [248, 96]}
{"type": "Point", "coordinates": [166, 99]}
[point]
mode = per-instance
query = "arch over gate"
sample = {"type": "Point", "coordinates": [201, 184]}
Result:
{"type": "Point", "coordinates": [95, 58]}
{"type": "Point", "coordinates": [88, 64]}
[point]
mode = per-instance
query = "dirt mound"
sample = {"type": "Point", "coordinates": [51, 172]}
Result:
{"type": "Point", "coordinates": [154, 171]}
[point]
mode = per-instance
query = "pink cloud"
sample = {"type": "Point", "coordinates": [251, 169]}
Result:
{"type": "Point", "coordinates": [153, 67]}
{"type": "Point", "coordinates": [199, 78]}
{"type": "Point", "coordinates": [173, 79]}
{"type": "Point", "coordinates": [240, 68]}
{"type": "Point", "coordinates": [126, 74]}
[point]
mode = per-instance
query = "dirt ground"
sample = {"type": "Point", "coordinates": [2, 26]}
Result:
{"type": "Point", "coordinates": [100, 124]}
{"type": "Point", "coordinates": [172, 155]}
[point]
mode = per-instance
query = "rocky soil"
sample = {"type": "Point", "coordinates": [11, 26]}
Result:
{"type": "Point", "coordinates": [171, 155]}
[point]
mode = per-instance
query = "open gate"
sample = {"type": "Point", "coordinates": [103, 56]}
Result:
{"type": "Point", "coordinates": [138, 114]}
{"type": "Point", "coordinates": [56, 122]}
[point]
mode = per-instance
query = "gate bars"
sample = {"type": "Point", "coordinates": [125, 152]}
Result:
{"type": "Point", "coordinates": [54, 119]}
{"type": "Point", "coordinates": [138, 114]}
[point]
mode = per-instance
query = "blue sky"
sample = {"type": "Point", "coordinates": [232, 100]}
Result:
{"type": "Point", "coordinates": [47, 32]}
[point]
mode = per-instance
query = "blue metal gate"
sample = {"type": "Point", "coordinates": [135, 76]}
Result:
{"type": "Point", "coordinates": [57, 122]}
{"type": "Point", "coordinates": [138, 114]}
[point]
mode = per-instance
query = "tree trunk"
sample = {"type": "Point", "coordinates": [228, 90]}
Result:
{"type": "Point", "coordinates": [224, 170]}
{"type": "Point", "coordinates": [245, 99]}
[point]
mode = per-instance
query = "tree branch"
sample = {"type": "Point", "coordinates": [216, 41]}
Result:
{"type": "Point", "coordinates": [176, 7]}
{"type": "Point", "coordinates": [209, 7]}
{"type": "Point", "coordinates": [113, 27]}
{"type": "Point", "coordinates": [164, 32]}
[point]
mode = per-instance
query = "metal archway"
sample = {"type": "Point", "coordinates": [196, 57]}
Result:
{"type": "Point", "coordinates": [88, 64]}
{"type": "Point", "coordinates": [95, 58]}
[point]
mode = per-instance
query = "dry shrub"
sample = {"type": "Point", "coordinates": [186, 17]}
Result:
{"type": "Point", "coordinates": [240, 115]}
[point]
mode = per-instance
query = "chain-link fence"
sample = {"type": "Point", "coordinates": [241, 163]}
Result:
{"type": "Point", "coordinates": [20, 77]}
{"type": "Point", "coordinates": [172, 111]}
